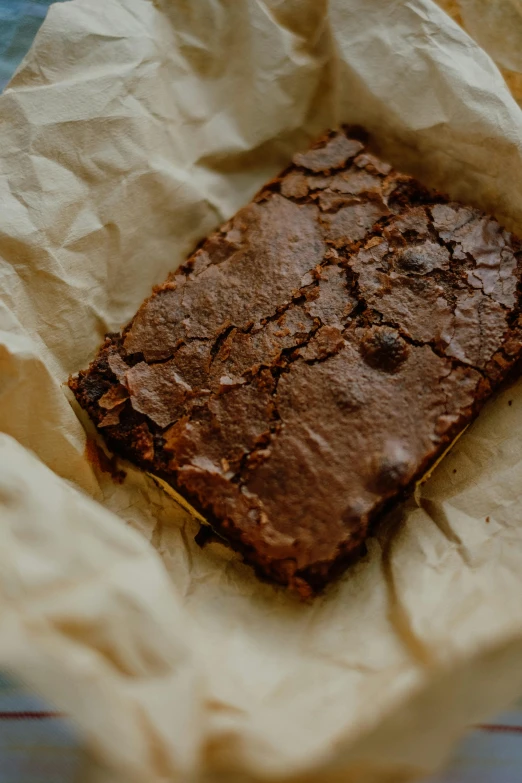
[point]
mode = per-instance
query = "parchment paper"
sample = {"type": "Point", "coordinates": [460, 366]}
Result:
{"type": "Point", "coordinates": [132, 129]}
{"type": "Point", "coordinates": [497, 27]}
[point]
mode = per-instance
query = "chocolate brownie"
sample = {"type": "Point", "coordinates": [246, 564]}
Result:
{"type": "Point", "coordinates": [313, 358]}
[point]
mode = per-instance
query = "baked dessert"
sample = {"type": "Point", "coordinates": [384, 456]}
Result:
{"type": "Point", "coordinates": [313, 358]}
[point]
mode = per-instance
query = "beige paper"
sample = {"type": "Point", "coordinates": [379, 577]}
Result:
{"type": "Point", "coordinates": [130, 131]}
{"type": "Point", "coordinates": [497, 27]}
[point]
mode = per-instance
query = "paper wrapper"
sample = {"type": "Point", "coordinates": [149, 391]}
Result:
{"type": "Point", "coordinates": [130, 131]}
{"type": "Point", "coordinates": [497, 27]}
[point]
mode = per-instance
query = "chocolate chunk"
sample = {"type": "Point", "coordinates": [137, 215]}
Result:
{"type": "Point", "coordinates": [392, 467]}
{"type": "Point", "coordinates": [313, 358]}
{"type": "Point", "coordinates": [383, 348]}
{"type": "Point", "coordinates": [422, 259]}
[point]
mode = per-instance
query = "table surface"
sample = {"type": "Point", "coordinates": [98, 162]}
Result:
{"type": "Point", "coordinates": [38, 746]}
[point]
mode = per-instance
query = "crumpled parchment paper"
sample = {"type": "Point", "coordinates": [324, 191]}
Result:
{"type": "Point", "coordinates": [497, 27]}
{"type": "Point", "coordinates": [131, 129]}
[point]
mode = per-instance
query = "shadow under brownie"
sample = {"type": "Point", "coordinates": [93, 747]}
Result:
{"type": "Point", "coordinates": [313, 358]}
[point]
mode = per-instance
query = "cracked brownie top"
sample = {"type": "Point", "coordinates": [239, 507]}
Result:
{"type": "Point", "coordinates": [313, 357]}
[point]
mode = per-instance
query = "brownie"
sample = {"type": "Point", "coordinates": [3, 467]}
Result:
{"type": "Point", "coordinates": [313, 358]}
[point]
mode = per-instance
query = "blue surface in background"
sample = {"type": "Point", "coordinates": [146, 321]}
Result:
{"type": "Point", "coordinates": [32, 750]}
{"type": "Point", "coordinates": [19, 23]}
{"type": "Point", "coordinates": [35, 745]}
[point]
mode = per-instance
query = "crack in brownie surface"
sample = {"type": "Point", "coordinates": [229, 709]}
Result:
{"type": "Point", "coordinates": [313, 357]}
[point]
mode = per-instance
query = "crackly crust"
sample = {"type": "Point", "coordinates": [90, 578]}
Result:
{"type": "Point", "coordinates": [313, 357]}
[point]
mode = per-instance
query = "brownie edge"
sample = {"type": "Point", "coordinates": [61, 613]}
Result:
{"type": "Point", "coordinates": [313, 358]}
